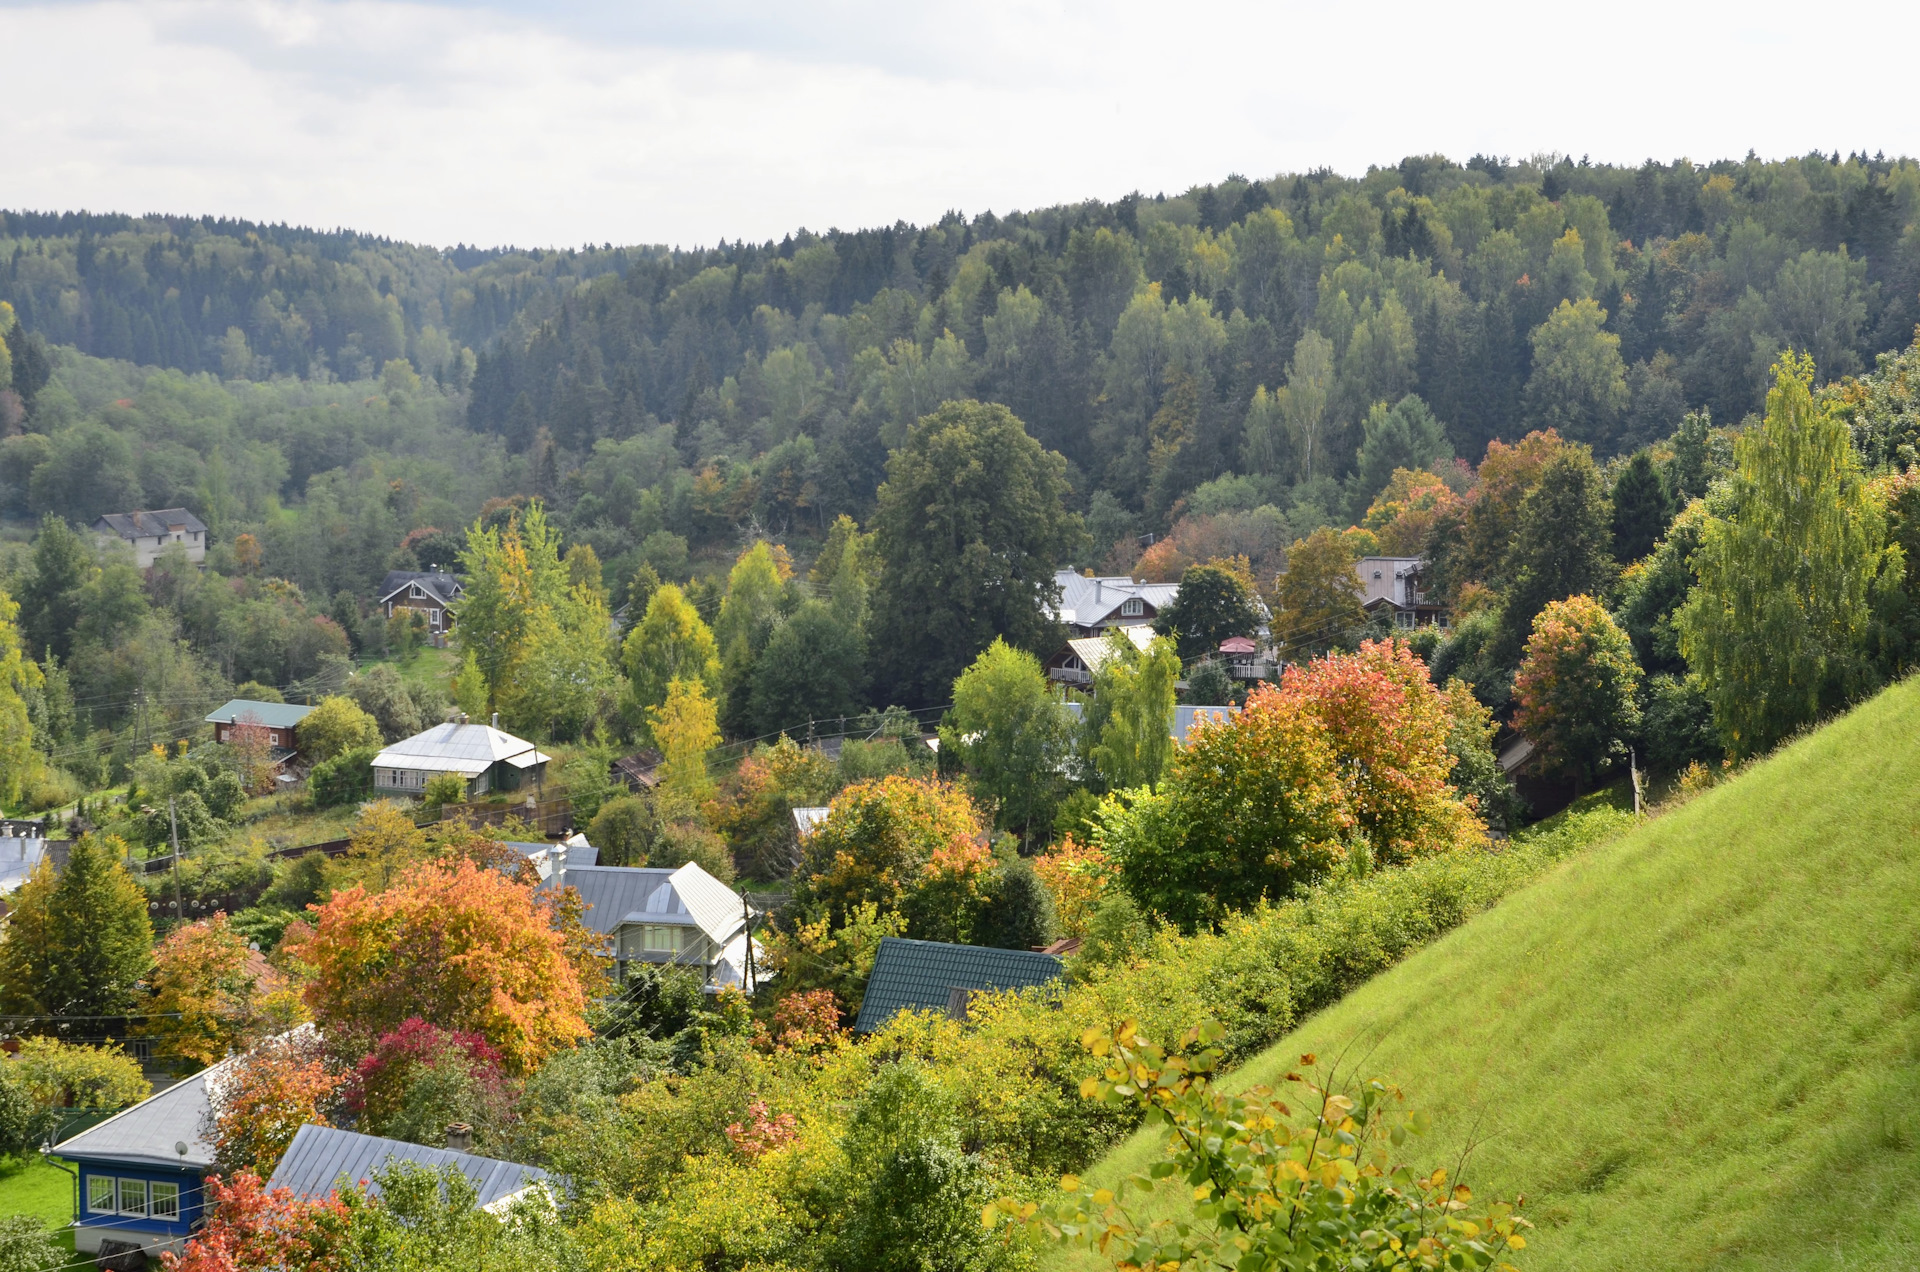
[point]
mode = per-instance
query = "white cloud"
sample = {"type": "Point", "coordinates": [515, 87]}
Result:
{"type": "Point", "coordinates": [497, 123]}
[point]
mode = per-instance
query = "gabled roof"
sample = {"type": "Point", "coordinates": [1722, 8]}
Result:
{"type": "Point", "coordinates": [321, 1156]}
{"type": "Point", "coordinates": [275, 715]}
{"type": "Point", "coordinates": [1085, 602]}
{"type": "Point", "coordinates": [135, 525]}
{"type": "Point", "coordinates": [1239, 645]}
{"type": "Point", "coordinates": [438, 584]}
{"type": "Point", "coordinates": [148, 1132]}
{"type": "Point", "coordinates": [687, 897]}
{"type": "Point", "coordinates": [1092, 651]}
{"type": "Point", "coordinates": [922, 975]}
{"type": "Point", "coordinates": [459, 748]}
{"type": "Point", "coordinates": [809, 819]}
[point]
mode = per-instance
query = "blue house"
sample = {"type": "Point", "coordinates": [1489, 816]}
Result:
{"type": "Point", "coordinates": [141, 1172]}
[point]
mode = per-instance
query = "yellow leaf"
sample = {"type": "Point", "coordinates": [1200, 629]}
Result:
{"type": "Point", "coordinates": [1517, 1241]}
{"type": "Point", "coordinates": [1069, 1183]}
{"type": "Point", "coordinates": [990, 1217]}
{"type": "Point", "coordinates": [1102, 1196]}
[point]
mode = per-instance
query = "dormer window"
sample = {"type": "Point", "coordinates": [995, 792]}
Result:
{"type": "Point", "coordinates": [1132, 609]}
{"type": "Point", "coordinates": [415, 592]}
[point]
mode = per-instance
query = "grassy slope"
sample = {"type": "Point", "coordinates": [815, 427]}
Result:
{"type": "Point", "coordinates": [33, 1186]}
{"type": "Point", "coordinates": [1696, 1046]}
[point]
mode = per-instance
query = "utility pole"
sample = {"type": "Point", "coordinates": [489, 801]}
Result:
{"type": "Point", "coordinates": [173, 830]}
{"type": "Point", "coordinates": [1633, 767]}
{"type": "Point", "coordinates": [746, 908]}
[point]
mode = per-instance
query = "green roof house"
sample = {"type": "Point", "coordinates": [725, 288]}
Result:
{"type": "Point", "coordinates": [935, 976]}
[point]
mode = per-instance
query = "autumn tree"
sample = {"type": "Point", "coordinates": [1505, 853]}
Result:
{"type": "Point", "coordinates": [1773, 627]}
{"type": "Point", "coordinates": [1011, 735]}
{"type": "Point", "coordinates": [1404, 514]}
{"type": "Point", "coordinates": [1215, 601]}
{"type": "Point", "coordinates": [1127, 730]}
{"type": "Point", "coordinates": [201, 993]}
{"type": "Point", "coordinates": [461, 947]}
{"type": "Point", "coordinates": [335, 726]}
{"type": "Point", "coordinates": [1388, 728]}
{"type": "Point", "coordinates": [686, 727]}
{"type": "Point", "coordinates": [419, 1078]}
{"type": "Point", "coordinates": [77, 941]}
{"type": "Point", "coordinates": [266, 1095]}
{"type": "Point", "coordinates": [1507, 475]}
{"type": "Point", "coordinates": [1318, 597]}
{"type": "Point", "coordinates": [970, 525]}
{"type": "Point", "coordinates": [249, 1226]}
{"type": "Point", "coordinates": [1250, 807]}
{"type": "Point", "coordinates": [669, 643]}
{"type": "Point", "coordinates": [1578, 688]}
{"type": "Point", "coordinates": [882, 843]}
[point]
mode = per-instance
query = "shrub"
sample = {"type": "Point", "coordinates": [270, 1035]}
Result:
{"type": "Point", "coordinates": [443, 789]}
{"type": "Point", "coordinates": [1018, 911]}
{"type": "Point", "coordinates": [684, 842]}
{"type": "Point", "coordinates": [73, 1075]}
{"type": "Point", "coordinates": [347, 778]}
{"type": "Point", "coordinates": [26, 1246]}
{"type": "Point", "coordinates": [418, 1079]}
{"type": "Point", "coordinates": [336, 726]}
{"type": "Point", "coordinates": [1077, 876]}
{"type": "Point", "coordinates": [623, 830]}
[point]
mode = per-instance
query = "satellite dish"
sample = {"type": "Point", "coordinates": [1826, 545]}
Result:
{"type": "Point", "coordinates": [180, 1147]}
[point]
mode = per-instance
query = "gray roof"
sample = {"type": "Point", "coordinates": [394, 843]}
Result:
{"type": "Point", "coordinates": [438, 584]}
{"type": "Point", "coordinates": [275, 715]}
{"type": "Point", "coordinates": [687, 897]}
{"type": "Point", "coordinates": [1183, 718]}
{"type": "Point", "coordinates": [459, 748]}
{"type": "Point", "coordinates": [1085, 602]}
{"type": "Point", "coordinates": [19, 856]}
{"type": "Point", "coordinates": [147, 1132]}
{"type": "Point", "coordinates": [923, 975]}
{"type": "Point", "coordinates": [320, 1156]}
{"type": "Point", "coordinates": [134, 525]}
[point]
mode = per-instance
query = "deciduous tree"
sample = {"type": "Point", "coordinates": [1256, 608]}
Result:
{"type": "Point", "coordinates": [77, 942]}
{"type": "Point", "coordinates": [1128, 727]}
{"type": "Point", "coordinates": [1011, 734]}
{"type": "Point", "coordinates": [1578, 688]}
{"type": "Point", "coordinates": [202, 994]}
{"type": "Point", "coordinates": [336, 725]}
{"type": "Point", "coordinates": [1318, 597]}
{"type": "Point", "coordinates": [267, 1095]}
{"type": "Point", "coordinates": [669, 643]}
{"type": "Point", "coordinates": [1215, 601]}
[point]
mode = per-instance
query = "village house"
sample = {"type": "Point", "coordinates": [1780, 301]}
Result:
{"type": "Point", "coordinates": [281, 720]}
{"type": "Point", "coordinates": [1082, 656]}
{"type": "Point", "coordinates": [936, 976]}
{"type": "Point", "coordinates": [488, 759]}
{"type": "Point", "coordinates": [1395, 586]}
{"type": "Point", "coordinates": [683, 916]}
{"type": "Point", "coordinates": [1089, 604]}
{"type": "Point", "coordinates": [433, 594]}
{"type": "Point", "coordinates": [150, 534]}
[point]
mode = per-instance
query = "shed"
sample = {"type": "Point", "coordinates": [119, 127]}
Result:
{"type": "Point", "coordinates": [488, 759]}
{"type": "Point", "coordinates": [936, 976]}
{"type": "Point", "coordinates": [322, 1158]}
{"type": "Point", "coordinates": [141, 1170]}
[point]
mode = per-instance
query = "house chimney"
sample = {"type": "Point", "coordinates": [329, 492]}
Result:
{"type": "Point", "coordinates": [460, 1137]}
{"type": "Point", "coordinates": [463, 717]}
{"type": "Point", "coordinates": [496, 719]}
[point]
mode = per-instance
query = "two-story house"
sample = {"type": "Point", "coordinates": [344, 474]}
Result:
{"type": "Point", "coordinates": [433, 594]}
{"type": "Point", "coordinates": [683, 916]}
{"type": "Point", "coordinates": [1394, 585]}
{"type": "Point", "coordinates": [150, 534]}
{"type": "Point", "coordinates": [1090, 605]}
{"type": "Point", "coordinates": [280, 720]}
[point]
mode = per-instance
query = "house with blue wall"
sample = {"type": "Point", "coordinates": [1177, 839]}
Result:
{"type": "Point", "coordinates": [142, 1171]}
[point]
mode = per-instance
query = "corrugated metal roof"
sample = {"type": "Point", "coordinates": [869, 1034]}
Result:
{"type": "Point", "coordinates": [923, 975]}
{"type": "Point", "coordinates": [321, 1156]}
{"type": "Point", "coordinates": [19, 856]}
{"type": "Point", "coordinates": [1085, 602]}
{"type": "Point", "coordinates": [686, 897]}
{"type": "Point", "coordinates": [275, 715]}
{"type": "Point", "coordinates": [458, 748]}
{"type": "Point", "coordinates": [148, 1131]}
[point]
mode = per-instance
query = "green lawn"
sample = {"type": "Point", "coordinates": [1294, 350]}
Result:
{"type": "Point", "coordinates": [428, 665]}
{"type": "Point", "coordinates": [1696, 1046]}
{"type": "Point", "coordinates": [37, 1187]}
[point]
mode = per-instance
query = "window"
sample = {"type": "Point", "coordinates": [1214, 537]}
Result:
{"type": "Point", "coordinates": [1132, 609]}
{"type": "Point", "coordinates": [415, 592]}
{"type": "Point", "coordinates": [166, 1200]}
{"type": "Point", "coordinates": [661, 939]}
{"type": "Point", "coordinates": [133, 1196]}
{"type": "Point", "coordinates": [1405, 618]}
{"type": "Point", "coordinates": [100, 1194]}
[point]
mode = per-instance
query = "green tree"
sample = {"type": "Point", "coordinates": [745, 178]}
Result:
{"type": "Point", "coordinates": [1407, 435]}
{"type": "Point", "coordinates": [1640, 509]}
{"type": "Point", "coordinates": [813, 668]}
{"type": "Point", "coordinates": [337, 724]}
{"type": "Point", "coordinates": [623, 830]}
{"type": "Point", "coordinates": [1579, 382]}
{"type": "Point", "coordinates": [77, 943]}
{"type": "Point", "coordinates": [1563, 545]}
{"type": "Point", "coordinates": [1011, 734]}
{"type": "Point", "coordinates": [1303, 403]}
{"type": "Point", "coordinates": [749, 613]}
{"type": "Point", "coordinates": [1773, 627]}
{"type": "Point", "coordinates": [1214, 602]}
{"type": "Point", "coordinates": [971, 523]}
{"type": "Point", "coordinates": [511, 572]}
{"type": "Point", "coordinates": [50, 591]}
{"type": "Point", "coordinates": [1018, 912]}
{"type": "Point", "coordinates": [20, 680]}
{"type": "Point", "coordinates": [669, 643]}
{"type": "Point", "coordinates": [1128, 727]}
{"type": "Point", "coordinates": [1578, 689]}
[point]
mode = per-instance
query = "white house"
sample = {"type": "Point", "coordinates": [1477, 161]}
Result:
{"type": "Point", "coordinates": [488, 759]}
{"type": "Point", "coordinates": [1088, 606]}
{"type": "Point", "coordinates": [683, 916]}
{"type": "Point", "coordinates": [151, 533]}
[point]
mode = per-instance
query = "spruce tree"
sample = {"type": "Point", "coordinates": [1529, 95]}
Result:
{"type": "Point", "coordinates": [1563, 545]}
{"type": "Point", "coordinates": [1640, 509]}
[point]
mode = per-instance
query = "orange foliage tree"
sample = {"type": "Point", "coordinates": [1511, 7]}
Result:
{"type": "Point", "coordinates": [1388, 726]}
{"type": "Point", "coordinates": [252, 1228]}
{"type": "Point", "coordinates": [1507, 475]}
{"type": "Point", "coordinates": [886, 841]}
{"type": "Point", "coordinates": [206, 991]}
{"type": "Point", "coordinates": [266, 1095]}
{"type": "Point", "coordinates": [1076, 875]}
{"type": "Point", "coordinates": [460, 947]}
{"type": "Point", "coordinates": [1404, 514]}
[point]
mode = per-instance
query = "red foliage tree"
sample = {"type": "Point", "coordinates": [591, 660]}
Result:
{"type": "Point", "coordinates": [379, 1082]}
{"type": "Point", "coordinates": [252, 1228]}
{"type": "Point", "coordinates": [261, 1100]}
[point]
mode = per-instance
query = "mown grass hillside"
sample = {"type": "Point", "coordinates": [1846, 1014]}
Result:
{"type": "Point", "coordinates": [1696, 1046]}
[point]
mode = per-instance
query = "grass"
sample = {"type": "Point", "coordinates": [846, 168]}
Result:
{"type": "Point", "coordinates": [1695, 1046]}
{"type": "Point", "coordinates": [428, 666]}
{"type": "Point", "coordinates": [34, 1186]}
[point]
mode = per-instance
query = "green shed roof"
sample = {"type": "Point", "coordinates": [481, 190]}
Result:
{"type": "Point", "coordinates": [274, 715]}
{"type": "Point", "coordinates": [924, 975]}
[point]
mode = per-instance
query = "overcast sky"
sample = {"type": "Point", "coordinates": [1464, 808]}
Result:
{"type": "Point", "coordinates": [504, 122]}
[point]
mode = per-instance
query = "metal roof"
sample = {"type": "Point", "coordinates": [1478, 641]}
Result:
{"type": "Point", "coordinates": [1183, 718]}
{"type": "Point", "coordinates": [147, 1132]}
{"type": "Point", "coordinates": [134, 525]}
{"type": "Point", "coordinates": [320, 1157]}
{"type": "Point", "coordinates": [1084, 602]}
{"type": "Point", "coordinates": [686, 897]}
{"type": "Point", "coordinates": [19, 856]}
{"type": "Point", "coordinates": [922, 975]}
{"type": "Point", "coordinates": [274, 715]}
{"type": "Point", "coordinates": [459, 748]}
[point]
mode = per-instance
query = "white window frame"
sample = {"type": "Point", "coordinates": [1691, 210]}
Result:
{"type": "Point", "coordinates": [103, 1189]}
{"type": "Point", "coordinates": [1133, 608]}
{"type": "Point", "coordinates": [171, 1192]}
{"type": "Point", "coordinates": [141, 1186]}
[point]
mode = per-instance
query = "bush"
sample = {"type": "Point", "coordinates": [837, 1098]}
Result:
{"type": "Point", "coordinates": [336, 726]}
{"type": "Point", "coordinates": [72, 1075]}
{"type": "Point", "coordinates": [1678, 726]}
{"type": "Point", "coordinates": [624, 831]}
{"type": "Point", "coordinates": [684, 842]}
{"type": "Point", "coordinates": [23, 1122]}
{"type": "Point", "coordinates": [443, 789]}
{"type": "Point", "coordinates": [347, 778]}
{"type": "Point", "coordinates": [1018, 913]}
{"type": "Point", "coordinates": [26, 1246]}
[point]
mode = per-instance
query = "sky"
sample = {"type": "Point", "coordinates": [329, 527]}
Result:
{"type": "Point", "coordinates": [497, 121]}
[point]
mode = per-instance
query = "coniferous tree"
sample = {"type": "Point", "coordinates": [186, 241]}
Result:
{"type": "Point", "coordinates": [1562, 546]}
{"type": "Point", "coordinates": [1640, 509]}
